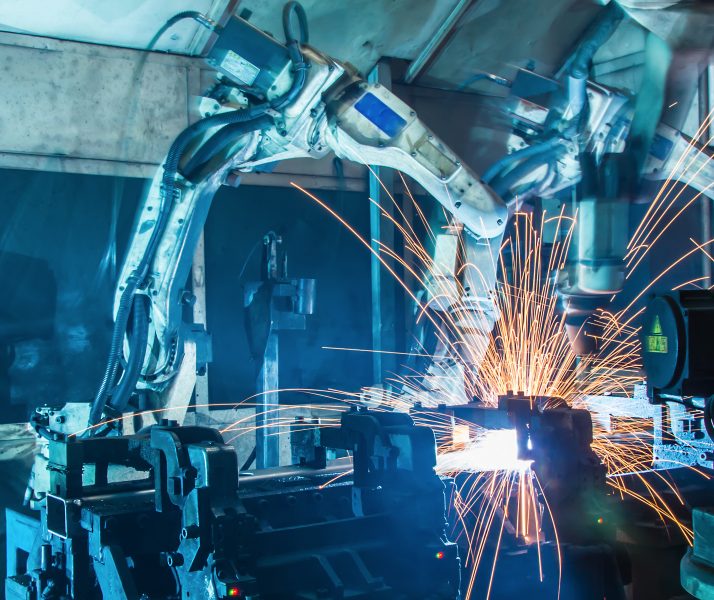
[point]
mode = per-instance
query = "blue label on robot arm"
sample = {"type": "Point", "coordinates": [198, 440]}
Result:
{"type": "Point", "coordinates": [378, 113]}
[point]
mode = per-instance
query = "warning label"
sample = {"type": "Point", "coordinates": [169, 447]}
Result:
{"type": "Point", "coordinates": [656, 342]}
{"type": "Point", "coordinates": [240, 68]}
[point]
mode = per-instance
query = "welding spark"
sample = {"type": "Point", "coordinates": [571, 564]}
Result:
{"type": "Point", "coordinates": [528, 350]}
{"type": "Point", "coordinates": [659, 218]}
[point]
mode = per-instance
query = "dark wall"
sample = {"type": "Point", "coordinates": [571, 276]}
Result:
{"type": "Point", "coordinates": [66, 223]}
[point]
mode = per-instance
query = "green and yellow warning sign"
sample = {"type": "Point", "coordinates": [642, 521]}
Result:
{"type": "Point", "coordinates": [656, 342]}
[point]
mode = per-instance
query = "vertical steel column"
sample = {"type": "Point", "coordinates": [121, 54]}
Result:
{"type": "Point", "coordinates": [381, 231]}
{"type": "Point", "coordinates": [409, 280]}
{"type": "Point", "coordinates": [704, 101]}
{"type": "Point", "coordinates": [198, 278]}
{"type": "Point", "coordinates": [267, 440]}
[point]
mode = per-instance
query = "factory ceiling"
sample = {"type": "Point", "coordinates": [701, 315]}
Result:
{"type": "Point", "coordinates": [453, 39]}
{"type": "Point", "coordinates": [447, 42]}
{"type": "Point", "coordinates": [128, 23]}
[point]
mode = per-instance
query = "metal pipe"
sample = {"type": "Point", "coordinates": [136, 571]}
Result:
{"type": "Point", "coordinates": [375, 231]}
{"type": "Point", "coordinates": [428, 52]}
{"type": "Point", "coordinates": [251, 478]}
{"type": "Point", "coordinates": [704, 105]}
{"type": "Point", "coordinates": [381, 182]}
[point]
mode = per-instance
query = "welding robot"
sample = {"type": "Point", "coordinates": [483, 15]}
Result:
{"type": "Point", "coordinates": [578, 148]}
{"type": "Point", "coordinates": [276, 101]}
{"type": "Point", "coordinates": [158, 512]}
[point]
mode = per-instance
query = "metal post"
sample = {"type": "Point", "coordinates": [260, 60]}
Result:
{"type": "Point", "coordinates": [381, 231]}
{"type": "Point", "coordinates": [704, 103]}
{"type": "Point", "coordinates": [409, 280]}
{"type": "Point", "coordinates": [198, 278]}
{"type": "Point", "coordinates": [267, 438]}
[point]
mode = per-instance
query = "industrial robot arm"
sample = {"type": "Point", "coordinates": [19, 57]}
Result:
{"type": "Point", "coordinates": [300, 103]}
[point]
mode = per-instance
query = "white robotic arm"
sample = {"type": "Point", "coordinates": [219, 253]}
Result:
{"type": "Point", "coordinates": [371, 125]}
{"type": "Point", "coordinates": [324, 106]}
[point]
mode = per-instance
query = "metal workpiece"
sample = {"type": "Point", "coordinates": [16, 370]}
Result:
{"type": "Point", "coordinates": [679, 436]}
{"type": "Point", "coordinates": [191, 524]}
{"type": "Point", "coordinates": [557, 442]}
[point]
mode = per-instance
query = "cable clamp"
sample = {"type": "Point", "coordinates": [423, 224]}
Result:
{"type": "Point", "coordinates": [300, 66]}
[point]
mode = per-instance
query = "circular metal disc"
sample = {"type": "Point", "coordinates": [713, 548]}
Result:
{"type": "Point", "coordinates": [663, 344]}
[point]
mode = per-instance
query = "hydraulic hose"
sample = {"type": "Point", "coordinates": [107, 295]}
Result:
{"type": "Point", "coordinates": [596, 36]}
{"type": "Point", "coordinates": [501, 166]}
{"type": "Point", "coordinates": [137, 346]}
{"type": "Point", "coordinates": [115, 349]}
{"type": "Point", "coordinates": [503, 184]}
{"type": "Point", "coordinates": [220, 141]}
{"type": "Point", "coordinates": [170, 190]}
{"type": "Point", "coordinates": [295, 8]}
{"type": "Point", "coordinates": [137, 351]}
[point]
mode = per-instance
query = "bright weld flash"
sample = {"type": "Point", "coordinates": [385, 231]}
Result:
{"type": "Point", "coordinates": [461, 437]}
{"type": "Point", "coordinates": [490, 450]}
